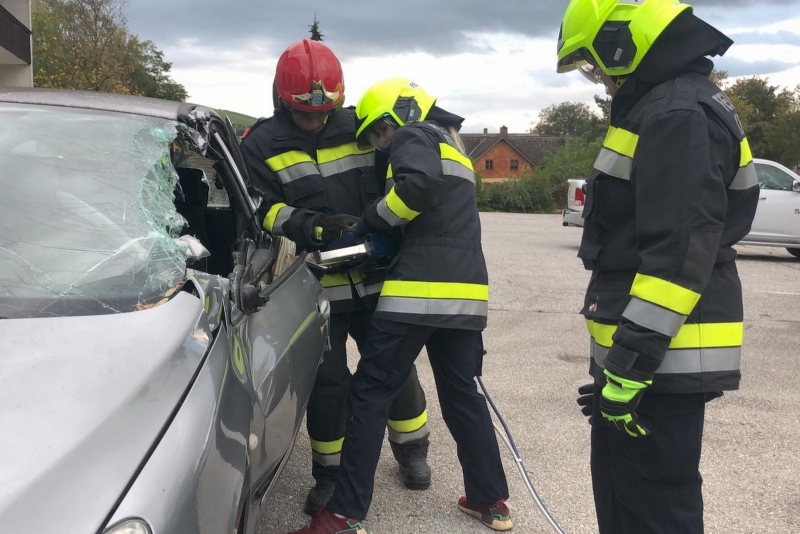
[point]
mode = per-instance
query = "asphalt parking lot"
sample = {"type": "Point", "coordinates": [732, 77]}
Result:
{"type": "Point", "coordinates": [537, 358]}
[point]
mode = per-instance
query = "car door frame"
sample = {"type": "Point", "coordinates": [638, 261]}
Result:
{"type": "Point", "coordinates": [278, 351]}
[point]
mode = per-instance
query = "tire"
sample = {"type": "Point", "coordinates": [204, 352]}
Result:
{"type": "Point", "coordinates": [794, 252]}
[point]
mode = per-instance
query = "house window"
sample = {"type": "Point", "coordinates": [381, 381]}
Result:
{"type": "Point", "coordinates": [489, 164]}
{"type": "Point", "coordinates": [514, 164]}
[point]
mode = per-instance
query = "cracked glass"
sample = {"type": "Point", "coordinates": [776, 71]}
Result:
{"type": "Point", "coordinates": [87, 215]}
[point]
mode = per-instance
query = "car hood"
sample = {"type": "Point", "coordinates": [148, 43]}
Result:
{"type": "Point", "coordinates": [82, 402]}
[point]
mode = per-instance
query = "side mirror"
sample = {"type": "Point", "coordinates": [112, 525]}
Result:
{"type": "Point", "coordinates": [796, 187]}
{"type": "Point", "coordinates": [246, 280]}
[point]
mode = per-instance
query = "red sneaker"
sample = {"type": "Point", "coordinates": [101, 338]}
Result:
{"type": "Point", "coordinates": [326, 522]}
{"type": "Point", "coordinates": [496, 516]}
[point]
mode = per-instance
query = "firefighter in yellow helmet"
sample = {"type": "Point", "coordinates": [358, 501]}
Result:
{"type": "Point", "coordinates": [672, 190]}
{"type": "Point", "coordinates": [435, 296]}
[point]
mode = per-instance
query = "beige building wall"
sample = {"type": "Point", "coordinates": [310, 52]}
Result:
{"type": "Point", "coordinates": [13, 70]}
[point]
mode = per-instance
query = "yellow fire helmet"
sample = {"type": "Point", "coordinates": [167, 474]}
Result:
{"type": "Point", "coordinates": [398, 99]}
{"type": "Point", "coordinates": [613, 35]}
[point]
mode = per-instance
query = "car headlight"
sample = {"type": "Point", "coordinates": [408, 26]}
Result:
{"type": "Point", "coordinates": [129, 526]}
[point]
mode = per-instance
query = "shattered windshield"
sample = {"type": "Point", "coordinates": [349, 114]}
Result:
{"type": "Point", "coordinates": [87, 219]}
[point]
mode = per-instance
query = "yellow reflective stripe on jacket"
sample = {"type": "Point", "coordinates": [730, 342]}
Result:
{"type": "Point", "coordinates": [665, 294]}
{"type": "Point", "coordinates": [343, 158]}
{"type": "Point", "coordinates": [745, 154]}
{"type": "Point", "coordinates": [389, 172]}
{"type": "Point", "coordinates": [327, 447]}
{"type": "Point", "coordinates": [690, 336]}
{"type": "Point", "coordinates": [693, 336]}
{"type": "Point", "coordinates": [277, 215]}
{"type": "Point", "coordinates": [435, 290]}
{"type": "Point", "coordinates": [621, 141]}
{"type": "Point", "coordinates": [454, 163]}
{"type": "Point", "coordinates": [394, 211]}
{"type": "Point", "coordinates": [327, 155]}
{"type": "Point", "coordinates": [746, 176]}
{"type": "Point", "coordinates": [288, 159]}
{"type": "Point", "coordinates": [342, 279]}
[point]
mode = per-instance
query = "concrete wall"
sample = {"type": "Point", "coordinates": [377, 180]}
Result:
{"type": "Point", "coordinates": [14, 72]}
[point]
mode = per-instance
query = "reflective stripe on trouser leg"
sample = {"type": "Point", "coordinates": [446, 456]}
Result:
{"type": "Point", "coordinates": [408, 418]}
{"type": "Point", "coordinates": [402, 432]}
{"type": "Point", "coordinates": [326, 414]}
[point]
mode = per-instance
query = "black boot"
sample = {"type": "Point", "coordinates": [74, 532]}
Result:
{"type": "Point", "coordinates": [412, 460]}
{"type": "Point", "coordinates": [321, 493]}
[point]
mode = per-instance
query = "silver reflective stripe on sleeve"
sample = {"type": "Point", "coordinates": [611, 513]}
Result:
{"type": "Point", "coordinates": [654, 317]}
{"type": "Point", "coordinates": [336, 293]}
{"type": "Point", "coordinates": [388, 215]}
{"type": "Point", "coordinates": [421, 306]}
{"type": "Point", "coordinates": [372, 289]}
{"type": "Point", "coordinates": [686, 361]}
{"type": "Point", "coordinates": [405, 437]}
{"type": "Point", "coordinates": [346, 163]}
{"type": "Point", "coordinates": [613, 164]}
{"type": "Point", "coordinates": [745, 178]}
{"type": "Point", "coordinates": [454, 168]}
{"type": "Point", "coordinates": [389, 185]}
{"type": "Point", "coordinates": [283, 216]}
{"type": "Point", "coordinates": [295, 172]}
{"type": "Point", "coordinates": [326, 460]}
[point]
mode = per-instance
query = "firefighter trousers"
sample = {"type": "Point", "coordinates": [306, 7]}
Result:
{"type": "Point", "coordinates": [650, 484]}
{"type": "Point", "coordinates": [326, 415]}
{"type": "Point", "coordinates": [386, 362]}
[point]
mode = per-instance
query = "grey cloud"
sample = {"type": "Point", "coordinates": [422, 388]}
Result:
{"type": "Point", "coordinates": [737, 67]}
{"type": "Point", "coordinates": [778, 38]}
{"type": "Point", "coordinates": [355, 28]}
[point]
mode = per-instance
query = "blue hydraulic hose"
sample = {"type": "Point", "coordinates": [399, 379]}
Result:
{"type": "Point", "coordinates": [509, 441]}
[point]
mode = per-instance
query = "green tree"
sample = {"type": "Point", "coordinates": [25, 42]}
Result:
{"type": "Point", "coordinates": [313, 29]}
{"type": "Point", "coordinates": [719, 77]}
{"type": "Point", "coordinates": [572, 119]}
{"type": "Point", "coordinates": [761, 106]}
{"type": "Point", "coordinates": [85, 44]}
{"type": "Point", "coordinates": [150, 75]}
{"type": "Point", "coordinates": [604, 103]}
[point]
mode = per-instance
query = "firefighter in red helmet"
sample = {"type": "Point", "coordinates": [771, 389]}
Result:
{"type": "Point", "coordinates": [314, 182]}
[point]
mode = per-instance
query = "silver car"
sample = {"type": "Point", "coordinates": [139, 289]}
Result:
{"type": "Point", "coordinates": [777, 220]}
{"type": "Point", "coordinates": [157, 348]}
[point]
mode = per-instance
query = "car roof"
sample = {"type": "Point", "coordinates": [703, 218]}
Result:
{"type": "Point", "coordinates": [138, 105]}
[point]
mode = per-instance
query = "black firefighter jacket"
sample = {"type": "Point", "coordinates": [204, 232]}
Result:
{"type": "Point", "coordinates": [439, 276]}
{"type": "Point", "coordinates": [673, 188]}
{"type": "Point", "coordinates": [300, 177]}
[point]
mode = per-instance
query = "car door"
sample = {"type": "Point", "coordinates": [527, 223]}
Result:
{"type": "Point", "coordinates": [777, 217]}
{"type": "Point", "coordinates": [279, 331]}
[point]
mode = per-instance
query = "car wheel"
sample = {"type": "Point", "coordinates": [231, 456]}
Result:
{"type": "Point", "coordinates": [794, 252]}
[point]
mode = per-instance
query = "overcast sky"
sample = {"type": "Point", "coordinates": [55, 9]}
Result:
{"type": "Point", "coordinates": [492, 62]}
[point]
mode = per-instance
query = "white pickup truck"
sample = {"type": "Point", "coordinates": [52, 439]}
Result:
{"type": "Point", "coordinates": [777, 220]}
{"type": "Point", "coordinates": [572, 215]}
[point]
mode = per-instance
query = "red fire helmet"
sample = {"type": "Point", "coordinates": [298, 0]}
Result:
{"type": "Point", "coordinates": [309, 77]}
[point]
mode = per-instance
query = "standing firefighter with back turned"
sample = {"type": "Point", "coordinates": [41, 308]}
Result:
{"type": "Point", "coordinates": [673, 189]}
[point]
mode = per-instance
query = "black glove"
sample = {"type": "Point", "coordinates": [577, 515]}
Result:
{"type": "Point", "coordinates": [586, 399]}
{"type": "Point", "coordinates": [326, 228]}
